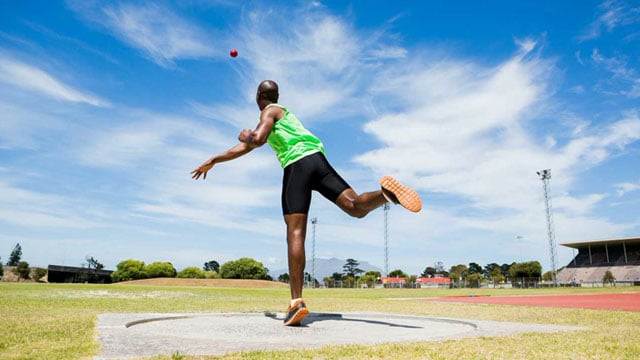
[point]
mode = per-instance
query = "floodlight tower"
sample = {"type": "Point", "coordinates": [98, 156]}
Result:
{"type": "Point", "coordinates": [385, 207]}
{"type": "Point", "coordinates": [545, 176]}
{"type": "Point", "coordinates": [314, 221]}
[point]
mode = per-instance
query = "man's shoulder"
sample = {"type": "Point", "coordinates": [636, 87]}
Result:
{"type": "Point", "coordinates": [276, 110]}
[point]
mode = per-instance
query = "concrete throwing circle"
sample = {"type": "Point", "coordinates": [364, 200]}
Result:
{"type": "Point", "coordinates": [139, 335]}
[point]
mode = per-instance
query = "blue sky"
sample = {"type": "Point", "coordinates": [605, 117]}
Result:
{"type": "Point", "coordinates": [105, 108]}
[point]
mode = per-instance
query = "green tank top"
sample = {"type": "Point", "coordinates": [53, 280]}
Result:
{"type": "Point", "coordinates": [290, 140]}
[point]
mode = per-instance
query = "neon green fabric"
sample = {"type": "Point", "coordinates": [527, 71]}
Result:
{"type": "Point", "coordinates": [290, 140]}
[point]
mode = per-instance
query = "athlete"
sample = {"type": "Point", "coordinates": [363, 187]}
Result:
{"type": "Point", "coordinates": [302, 157]}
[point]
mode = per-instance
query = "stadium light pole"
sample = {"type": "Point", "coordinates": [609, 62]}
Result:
{"type": "Point", "coordinates": [385, 207]}
{"type": "Point", "coordinates": [314, 221]}
{"type": "Point", "coordinates": [545, 176]}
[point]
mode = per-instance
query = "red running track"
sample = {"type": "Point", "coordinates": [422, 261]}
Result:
{"type": "Point", "coordinates": [619, 301]}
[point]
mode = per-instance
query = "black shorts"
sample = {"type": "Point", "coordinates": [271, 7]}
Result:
{"type": "Point", "coordinates": [313, 172]}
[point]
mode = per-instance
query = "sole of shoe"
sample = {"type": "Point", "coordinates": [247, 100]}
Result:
{"type": "Point", "coordinates": [297, 318]}
{"type": "Point", "coordinates": [407, 197]}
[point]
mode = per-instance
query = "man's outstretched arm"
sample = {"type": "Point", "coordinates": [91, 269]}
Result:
{"type": "Point", "coordinates": [249, 140]}
{"type": "Point", "coordinates": [233, 153]}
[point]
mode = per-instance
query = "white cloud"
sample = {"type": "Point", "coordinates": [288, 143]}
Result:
{"type": "Point", "coordinates": [321, 64]}
{"type": "Point", "coordinates": [468, 136]}
{"type": "Point", "coordinates": [158, 32]}
{"type": "Point", "coordinates": [33, 79]}
{"type": "Point", "coordinates": [28, 208]}
{"type": "Point", "coordinates": [611, 15]}
{"type": "Point", "coordinates": [625, 188]}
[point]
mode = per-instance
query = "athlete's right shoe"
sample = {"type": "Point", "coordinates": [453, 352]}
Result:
{"type": "Point", "coordinates": [397, 193]}
{"type": "Point", "coordinates": [296, 313]}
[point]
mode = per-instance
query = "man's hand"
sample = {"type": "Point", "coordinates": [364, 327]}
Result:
{"type": "Point", "coordinates": [246, 136]}
{"type": "Point", "coordinates": [202, 170]}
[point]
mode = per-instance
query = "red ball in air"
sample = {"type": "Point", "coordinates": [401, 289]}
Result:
{"type": "Point", "coordinates": [233, 52]}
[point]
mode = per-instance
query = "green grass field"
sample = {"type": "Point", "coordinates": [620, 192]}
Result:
{"type": "Point", "coordinates": [58, 321]}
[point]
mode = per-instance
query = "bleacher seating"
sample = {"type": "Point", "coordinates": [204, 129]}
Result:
{"type": "Point", "coordinates": [594, 260]}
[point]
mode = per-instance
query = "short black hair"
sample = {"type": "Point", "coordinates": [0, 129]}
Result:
{"type": "Point", "coordinates": [268, 89]}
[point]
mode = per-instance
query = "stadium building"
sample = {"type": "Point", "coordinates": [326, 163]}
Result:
{"type": "Point", "coordinates": [595, 257]}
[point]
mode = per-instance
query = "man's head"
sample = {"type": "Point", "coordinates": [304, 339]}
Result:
{"type": "Point", "coordinates": [267, 93]}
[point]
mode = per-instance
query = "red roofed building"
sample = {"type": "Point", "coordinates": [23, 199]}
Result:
{"type": "Point", "coordinates": [393, 281]}
{"type": "Point", "coordinates": [437, 281]}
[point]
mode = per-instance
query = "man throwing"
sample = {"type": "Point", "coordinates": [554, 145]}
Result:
{"type": "Point", "coordinates": [302, 157]}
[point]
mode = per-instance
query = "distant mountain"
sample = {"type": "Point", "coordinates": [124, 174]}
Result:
{"type": "Point", "coordinates": [326, 267]}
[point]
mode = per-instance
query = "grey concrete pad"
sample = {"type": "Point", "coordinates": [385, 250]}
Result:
{"type": "Point", "coordinates": [139, 335]}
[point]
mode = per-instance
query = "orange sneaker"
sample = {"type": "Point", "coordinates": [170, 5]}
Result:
{"type": "Point", "coordinates": [296, 313]}
{"type": "Point", "coordinates": [400, 194]}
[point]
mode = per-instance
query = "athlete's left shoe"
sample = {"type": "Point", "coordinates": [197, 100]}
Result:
{"type": "Point", "coordinates": [296, 313]}
{"type": "Point", "coordinates": [397, 193]}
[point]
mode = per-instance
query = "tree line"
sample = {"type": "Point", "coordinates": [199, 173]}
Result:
{"type": "Point", "coordinates": [22, 268]}
{"type": "Point", "coordinates": [525, 274]}
{"type": "Point", "coordinates": [243, 268]}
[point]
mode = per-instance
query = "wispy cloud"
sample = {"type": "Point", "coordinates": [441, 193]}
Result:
{"type": "Point", "coordinates": [30, 78]}
{"type": "Point", "coordinates": [611, 15]}
{"type": "Point", "coordinates": [624, 79]}
{"type": "Point", "coordinates": [625, 188]}
{"type": "Point", "coordinates": [467, 136]}
{"type": "Point", "coordinates": [155, 30]}
{"type": "Point", "coordinates": [29, 208]}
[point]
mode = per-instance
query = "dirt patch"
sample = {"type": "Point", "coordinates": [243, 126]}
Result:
{"type": "Point", "coordinates": [221, 283]}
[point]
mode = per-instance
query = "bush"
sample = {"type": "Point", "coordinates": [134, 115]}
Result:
{"type": "Point", "coordinates": [38, 273]}
{"type": "Point", "coordinates": [244, 268]}
{"type": "Point", "coordinates": [160, 269]}
{"type": "Point", "coordinates": [367, 279]}
{"type": "Point", "coordinates": [211, 274]}
{"type": "Point", "coordinates": [129, 270]}
{"type": "Point", "coordinates": [191, 272]}
{"type": "Point", "coordinates": [22, 270]}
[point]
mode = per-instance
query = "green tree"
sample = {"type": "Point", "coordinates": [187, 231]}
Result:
{"type": "Point", "coordinates": [367, 279]}
{"type": "Point", "coordinates": [329, 281]}
{"type": "Point", "coordinates": [548, 276]}
{"type": "Point", "coordinates": [375, 273]}
{"type": "Point", "coordinates": [504, 268]}
{"type": "Point", "coordinates": [129, 270]}
{"type": "Point", "coordinates": [411, 280]}
{"type": "Point", "coordinates": [474, 280]}
{"type": "Point", "coordinates": [93, 263]}
{"type": "Point", "coordinates": [475, 268]}
{"type": "Point", "coordinates": [350, 268]}
{"type": "Point", "coordinates": [160, 269]}
{"type": "Point", "coordinates": [191, 272]}
{"type": "Point", "coordinates": [490, 269]}
{"type": "Point", "coordinates": [398, 273]}
{"type": "Point", "coordinates": [348, 281]}
{"type": "Point", "coordinates": [244, 268]}
{"type": "Point", "coordinates": [22, 270]}
{"type": "Point", "coordinates": [458, 273]}
{"type": "Point", "coordinates": [526, 273]}
{"type": "Point", "coordinates": [15, 256]}
{"type": "Point", "coordinates": [212, 265]}
{"type": "Point", "coordinates": [284, 278]}
{"type": "Point", "coordinates": [496, 276]}
{"type": "Point", "coordinates": [38, 273]}
{"type": "Point", "coordinates": [429, 271]}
